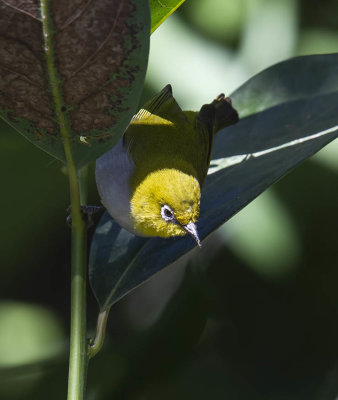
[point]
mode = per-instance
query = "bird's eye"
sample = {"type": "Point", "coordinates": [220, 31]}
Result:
{"type": "Point", "coordinates": [167, 213]}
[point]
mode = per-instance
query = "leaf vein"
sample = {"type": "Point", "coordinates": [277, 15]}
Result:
{"type": "Point", "coordinates": [92, 57]}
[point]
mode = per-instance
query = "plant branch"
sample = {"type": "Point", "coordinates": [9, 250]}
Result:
{"type": "Point", "coordinates": [78, 344]}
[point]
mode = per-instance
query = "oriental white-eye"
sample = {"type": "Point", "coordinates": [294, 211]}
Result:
{"type": "Point", "coordinates": [150, 181]}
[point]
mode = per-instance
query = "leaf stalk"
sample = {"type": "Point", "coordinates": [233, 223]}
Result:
{"type": "Point", "coordinates": [96, 344]}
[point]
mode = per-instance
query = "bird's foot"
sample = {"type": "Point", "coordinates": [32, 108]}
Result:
{"type": "Point", "coordinates": [87, 214]}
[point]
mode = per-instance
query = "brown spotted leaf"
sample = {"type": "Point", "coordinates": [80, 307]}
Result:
{"type": "Point", "coordinates": [99, 52]}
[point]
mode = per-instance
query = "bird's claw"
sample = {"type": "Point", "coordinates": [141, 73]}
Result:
{"type": "Point", "coordinates": [87, 214]}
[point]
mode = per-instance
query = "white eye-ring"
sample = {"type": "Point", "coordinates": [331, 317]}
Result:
{"type": "Point", "coordinates": [167, 213]}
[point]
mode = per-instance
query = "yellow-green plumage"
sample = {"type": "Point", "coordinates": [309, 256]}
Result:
{"type": "Point", "coordinates": [179, 190]}
{"type": "Point", "coordinates": [160, 166]}
{"type": "Point", "coordinates": [167, 137]}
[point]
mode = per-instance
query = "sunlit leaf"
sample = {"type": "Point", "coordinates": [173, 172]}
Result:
{"type": "Point", "coordinates": [289, 112]}
{"type": "Point", "coordinates": [161, 10]}
{"type": "Point", "coordinates": [99, 53]}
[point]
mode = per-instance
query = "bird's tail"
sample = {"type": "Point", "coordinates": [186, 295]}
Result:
{"type": "Point", "coordinates": [219, 114]}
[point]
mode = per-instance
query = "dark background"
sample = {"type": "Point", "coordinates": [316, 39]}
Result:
{"type": "Point", "coordinates": [254, 314]}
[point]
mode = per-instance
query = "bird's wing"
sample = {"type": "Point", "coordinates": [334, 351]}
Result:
{"type": "Point", "coordinates": [163, 105]}
{"type": "Point", "coordinates": [161, 110]}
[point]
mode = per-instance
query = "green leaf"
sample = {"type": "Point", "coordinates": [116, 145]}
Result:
{"type": "Point", "coordinates": [296, 79]}
{"type": "Point", "coordinates": [161, 10]}
{"type": "Point", "coordinates": [294, 117]}
{"type": "Point", "coordinates": [98, 54]}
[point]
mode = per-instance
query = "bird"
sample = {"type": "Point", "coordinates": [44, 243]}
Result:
{"type": "Point", "coordinates": [150, 182]}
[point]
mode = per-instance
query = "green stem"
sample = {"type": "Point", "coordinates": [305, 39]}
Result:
{"type": "Point", "coordinates": [78, 343]}
{"type": "Point", "coordinates": [83, 178]}
{"type": "Point", "coordinates": [78, 356]}
{"type": "Point", "coordinates": [96, 344]}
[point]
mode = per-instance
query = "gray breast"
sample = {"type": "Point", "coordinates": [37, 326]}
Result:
{"type": "Point", "coordinates": [113, 170]}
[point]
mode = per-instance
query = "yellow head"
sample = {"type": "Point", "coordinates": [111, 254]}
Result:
{"type": "Point", "coordinates": [166, 203]}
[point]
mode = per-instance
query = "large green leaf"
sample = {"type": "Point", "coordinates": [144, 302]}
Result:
{"type": "Point", "coordinates": [98, 53]}
{"type": "Point", "coordinates": [289, 112]}
{"type": "Point", "coordinates": [296, 79]}
{"type": "Point", "coordinates": [161, 10]}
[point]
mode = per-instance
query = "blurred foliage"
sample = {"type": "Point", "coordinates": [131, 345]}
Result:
{"type": "Point", "coordinates": [261, 321]}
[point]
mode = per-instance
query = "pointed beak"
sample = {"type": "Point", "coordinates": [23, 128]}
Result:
{"type": "Point", "coordinates": [192, 230]}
